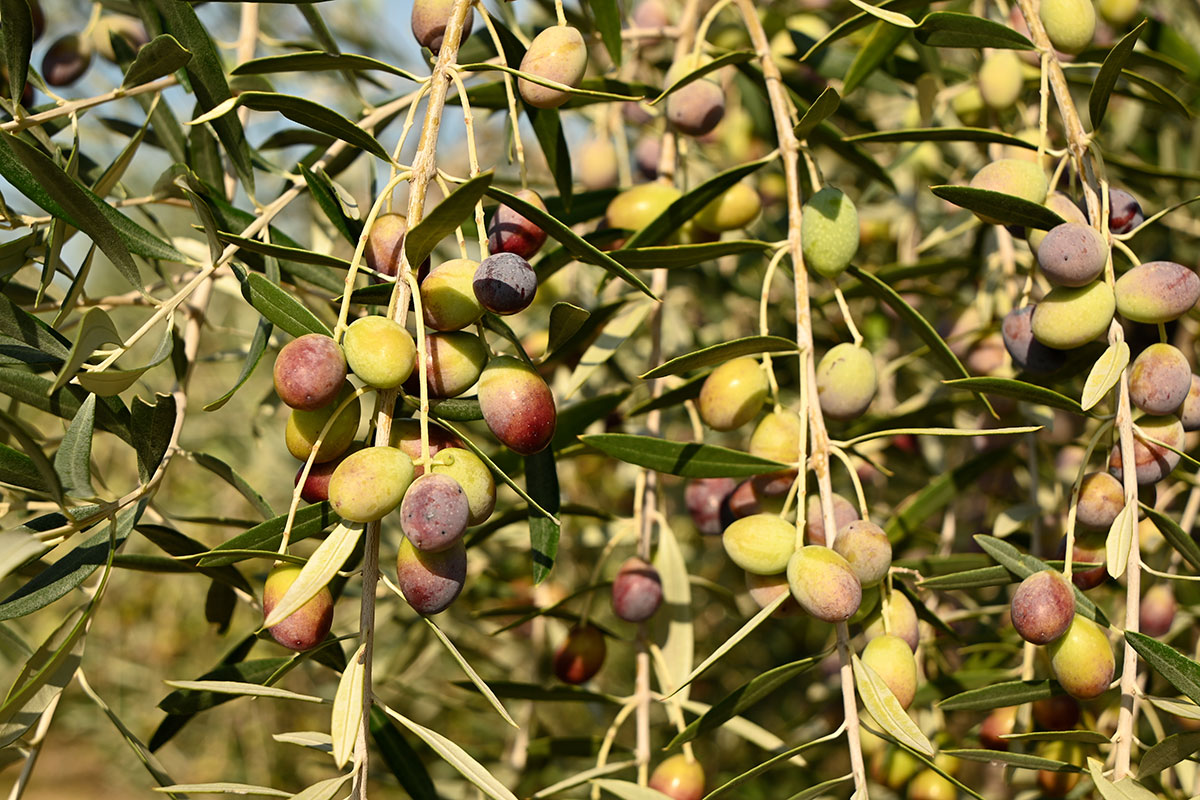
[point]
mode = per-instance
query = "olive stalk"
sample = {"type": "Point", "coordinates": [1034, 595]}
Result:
{"type": "Point", "coordinates": [818, 444]}
{"type": "Point", "coordinates": [1078, 145]}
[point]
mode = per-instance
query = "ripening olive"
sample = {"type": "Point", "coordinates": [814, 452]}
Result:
{"type": "Point", "coordinates": [902, 620]}
{"type": "Point", "coordinates": [679, 777]}
{"type": "Point", "coordinates": [434, 512]}
{"type": "Point", "coordinates": [1157, 291]}
{"type": "Point", "coordinates": [1159, 379]}
{"type": "Point", "coordinates": [429, 21]}
{"type": "Point", "coordinates": [430, 582]}
{"type": "Point", "coordinates": [1153, 461]}
{"type": "Point", "coordinates": [824, 584]}
{"type": "Point", "coordinates": [636, 591]}
{"type": "Point", "coordinates": [510, 232]}
{"type": "Point", "coordinates": [1082, 659]}
{"type": "Point", "coordinates": [844, 512]}
{"type": "Point", "coordinates": [1072, 254]}
{"type": "Point", "coordinates": [370, 483]}
{"type": "Point", "coordinates": [309, 372]}
{"type": "Point", "coordinates": [504, 283]}
{"type": "Point", "coordinates": [306, 627]}
{"type": "Point", "coordinates": [1042, 607]}
{"type": "Point", "coordinates": [517, 405]}
{"type": "Point", "coordinates": [580, 655]}
{"type": "Point", "coordinates": [1016, 177]}
{"type": "Point", "coordinates": [473, 476]}
{"type": "Point", "coordinates": [866, 548]}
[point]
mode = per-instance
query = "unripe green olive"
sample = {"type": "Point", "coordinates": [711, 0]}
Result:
{"type": "Point", "coordinates": [761, 543]}
{"type": "Point", "coordinates": [891, 658]}
{"type": "Point", "coordinates": [1069, 317]}
{"type": "Point", "coordinates": [1082, 659]}
{"type": "Point", "coordinates": [380, 351]}
{"type": "Point", "coordinates": [1070, 24]}
{"type": "Point", "coordinates": [1000, 79]}
{"type": "Point", "coordinates": [370, 483]}
{"type": "Point", "coordinates": [733, 394]}
{"type": "Point", "coordinates": [1013, 176]}
{"type": "Point", "coordinates": [734, 208]}
{"type": "Point", "coordinates": [557, 54]}
{"type": "Point", "coordinates": [829, 232]}
{"type": "Point", "coordinates": [448, 301]}
{"type": "Point", "coordinates": [635, 207]}
{"type": "Point", "coordinates": [824, 584]}
{"type": "Point", "coordinates": [846, 381]}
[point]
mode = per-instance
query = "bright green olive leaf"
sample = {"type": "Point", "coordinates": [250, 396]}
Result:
{"type": "Point", "coordinates": [818, 112]}
{"type": "Point", "coordinates": [885, 708]}
{"type": "Point", "coordinates": [576, 91]}
{"type": "Point", "coordinates": [1124, 789]}
{"type": "Point", "coordinates": [206, 77]}
{"type": "Point", "coordinates": [541, 481]}
{"type": "Point", "coordinates": [159, 57]}
{"type": "Point", "coordinates": [720, 353]}
{"type": "Point", "coordinates": [266, 537]}
{"type": "Point", "coordinates": [565, 321]}
{"type": "Point", "coordinates": [295, 254]}
{"type": "Point", "coordinates": [1168, 752]}
{"type": "Point", "coordinates": [952, 29]}
{"type": "Point", "coordinates": [327, 789]}
{"type": "Point", "coordinates": [1104, 374]}
{"type": "Point", "coordinates": [744, 697]}
{"type": "Point", "coordinates": [477, 681]}
{"type": "Point", "coordinates": [346, 717]}
{"type": "Point", "coordinates": [1012, 693]}
{"type": "Point", "coordinates": [445, 217]}
{"type": "Point", "coordinates": [72, 569]}
{"type": "Point", "coordinates": [672, 633]}
{"type": "Point", "coordinates": [883, 40]}
{"type": "Point", "coordinates": [1183, 543]}
{"type": "Point", "coordinates": [1120, 540]}
{"type": "Point", "coordinates": [113, 381]}
{"type": "Point", "coordinates": [686, 459]}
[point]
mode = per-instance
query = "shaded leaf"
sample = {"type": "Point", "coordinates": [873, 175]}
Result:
{"type": "Point", "coordinates": [541, 481]}
{"type": "Point", "coordinates": [280, 307]}
{"type": "Point", "coordinates": [720, 353]}
{"type": "Point", "coordinates": [883, 40]}
{"type": "Point", "coordinates": [615, 333]}
{"type": "Point", "coordinates": [266, 537]}
{"type": "Point", "coordinates": [1178, 538]}
{"type": "Point", "coordinates": [687, 459]}
{"type": "Point", "coordinates": [1006, 208]}
{"type": "Point", "coordinates": [423, 237]}
{"type": "Point", "coordinates": [984, 135]}
{"type": "Point", "coordinates": [952, 29]}
{"type": "Point", "coordinates": [1018, 760]}
{"type": "Point", "coordinates": [73, 460]}
{"type": "Point", "coordinates": [477, 681]}
{"type": "Point", "coordinates": [685, 255]}
{"type": "Point", "coordinates": [1179, 670]}
{"type": "Point", "coordinates": [1168, 752]}
{"type": "Point", "coordinates": [1019, 390]}
{"type": "Point", "coordinates": [400, 758]}
{"type": "Point", "coordinates": [159, 57]}
{"type": "Point", "coordinates": [818, 112]}
{"type": "Point", "coordinates": [317, 61]}
{"type": "Point", "coordinates": [1110, 70]}
{"type": "Point", "coordinates": [17, 35]}
{"type": "Point", "coordinates": [930, 499]}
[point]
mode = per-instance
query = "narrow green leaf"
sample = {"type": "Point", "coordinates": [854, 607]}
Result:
{"type": "Point", "coordinates": [982, 135]}
{"type": "Point", "coordinates": [346, 717]}
{"type": "Point", "coordinates": [952, 29]}
{"type": "Point", "coordinates": [280, 307]}
{"type": "Point", "coordinates": [687, 459]}
{"type": "Point", "coordinates": [688, 390]}
{"type": "Point", "coordinates": [1012, 693]}
{"type": "Point", "coordinates": [1178, 538]}
{"type": "Point", "coordinates": [573, 91]}
{"type": "Point", "coordinates": [152, 427]}
{"type": "Point", "coordinates": [73, 460]}
{"type": "Point", "coordinates": [1006, 208]}
{"type": "Point", "coordinates": [680, 256]}
{"type": "Point", "coordinates": [745, 696]}
{"type": "Point", "coordinates": [17, 35]}
{"type": "Point", "coordinates": [1110, 70]}
{"type": "Point", "coordinates": [1124, 789]}
{"type": "Point", "coordinates": [885, 708]}
{"type": "Point", "coordinates": [541, 481]}
{"type": "Point", "coordinates": [192, 701]}
{"type": "Point", "coordinates": [265, 537]}
{"type": "Point", "coordinates": [733, 641]}
{"type": "Point", "coordinates": [671, 630]}
{"type": "Point", "coordinates": [720, 353]}
{"type": "Point", "coordinates": [856, 22]}
{"type": "Point", "coordinates": [159, 57]}
{"type": "Point", "coordinates": [1168, 752]}
{"type": "Point", "coordinates": [224, 787]}
{"type": "Point", "coordinates": [47, 479]}
{"type": "Point", "coordinates": [1018, 390]}
{"type": "Point", "coordinates": [929, 500]}
{"type": "Point", "coordinates": [18, 469]}
{"type": "Point", "coordinates": [547, 128]}
{"type": "Point", "coordinates": [317, 61]}
{"type": "Point", "coordinates": [423, 237]}
{"type": "Point", "coordinates": [456, 757]}
{"type": "Point", "coordinates": [969, 579]}
{"type": "Point", "coordinates": [1179, 670]}
{"type": "Point", "coordinates": [1104, 374]}
{"type": "Point", "coordinates": [238, 689]}
{"type": "Point", "coordinates": [228, 474]}
{"type": "Point", "coordinates": [627, 790]}
{"type": "Point", "coordinates": [472, 675]}
{"type": "Point", "coordinates": [937, 346]}
{"type": "Point", "coordinates": [821, 109]}
{"type": "Point", "coordinates": [206, 76]}
{"type": "Point", "coordinates": [1017, 760]}
{"type": "Point", "coordinates": [615, 333]}
{"type": "Point", "coordinates": [325, 193]}
{"type": "Point", "coordinates": [1120, 540]}
{"type": "Point", "coordinates": [823, 789]}
{"type": "Point", "coordinates": [296, 254]}
{"type": "Point", "coordinates": [316, 116]}
{"type": "Point", "coordinates": [515, 690]}
{"type": "Point", "coordinates": [254, 353]}
{"type": "Point", "coordinates": [400, 758]}
{"type": "Point", "coordinates": [582, 249]}
{"type": "Point", "coordinates": [607, 14]}
{"type": "Point", "coordinates": [893, 17]}
{"type": "Point", "coordinates": [1079, 737]}
{"type": "Point", "coordinates": [38, 392]}
{"type": "Point", "coordinates": [883, 40]}
{"type": "Point", "coordinates": [565, 322]}
{"type": "Point", "coordinates": [58, 579]}
{"type": "Point", "coordinates": [684, 208]}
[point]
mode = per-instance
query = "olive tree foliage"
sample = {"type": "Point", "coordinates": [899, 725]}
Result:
{"type": "Point", "coordinates": [850, 321]}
